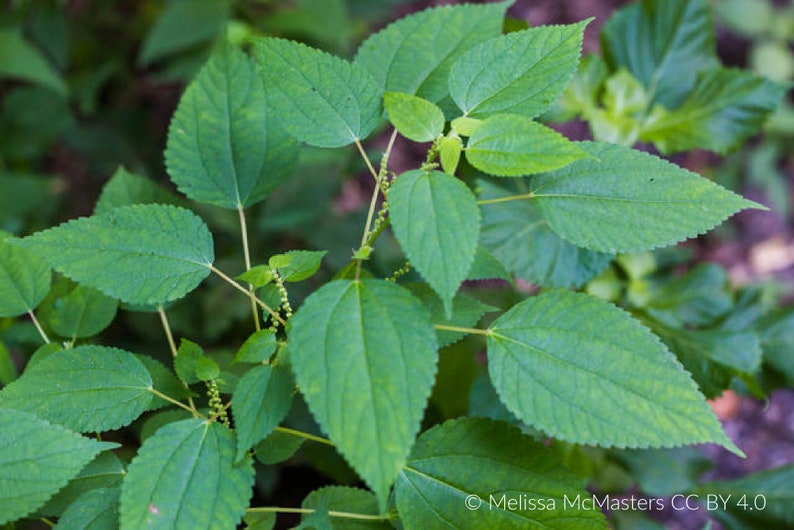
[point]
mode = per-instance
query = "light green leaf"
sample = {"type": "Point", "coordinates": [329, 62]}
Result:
{"type": "Point", "coordinates": [24, 279]}
{"type": "Point", "coordinates": [258, 347]}
{"type": "Point", "coordinates": [437, 222]}
{"type": "Point", "coordinates": [277, 447]}
{"type": "Point", "coordinates": [519, 237]}
{"type": "Point", "coordinates": [36, 460]}
{"type": "Point", "coordinates": [184, 477]}
{"type": "Point", "coordinates": [95, 510]}
{"type": "Point", "coordinates": [225, 146]}
{"type": "Point", "coordinates": [349, 500]}
{"type": "Point", "coordinates": [622, 200]}
{"type": "Point", "coordinates": [183, 25]}
{"type": "Point", "coordinates": [104, 471]}
{"type": "Point", "coordinates": [722, 110]}
{"type": "Point", "coordinates": [20, 60]}
{"type": "Point", "coordinates": [260, 520]}
{"type": "Point", "coordinates": [320, 99]}
{"type": "Point", "coordinates": [125, 189]}
{"type": "Point", "coordinates": [364, 357]}
{"type": "Point", "coordinates": [84, 312]}
{"type": "Point", "coordinates": [663, 44]}
{"type": "Point", "coordinates": [511, 146]}
{"type": "Point", "coordinates": [414, 54]}
{"type": "Point", "coordinates": [258, 276]}
{"type": "Point", "coordinates": [561, 362]}
{"type": "Point", "coordinates": [143, 254]}
{"type": "Point", "coordinates": [449, 150]}
{"type": "Point", "coordinates": [297, 265]}
{"type": "Point", "coordinates": [522, 72]}
{"type": "Point", "coordinates": [262, 399]}
{"type": "Point", "coordinates": [466, 312]}
{"type": "Point", "coordinates": [88, 388]}
{"type": "Point", "coordinates": [463, 473]}
{"type": "Point", "coordinates": [415, 118]}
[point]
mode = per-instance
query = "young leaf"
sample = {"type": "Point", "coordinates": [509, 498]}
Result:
{"type": "Point", "coordinates": [88, 388]}
{"type": "Point", "coordinates": [143, 254]}
{"type": "Point", "coordinates": [622, 200]}
{"type": "Point", "coordinates": [262, 399]}
{"type": "Point", "coordinates": [414, 54]}
{"type": "Point", "coordinates": [297, 265]}
{"type": "Point", "coordinates": [437, 222]}
{"type": "Point", "coordinates": [449, 150]}
{"type": "Point", "coordinates": [511, 146]}
{"type": "Point", "coordinates": [321, 99]}
{"type": "Point", "coordinates": [517, 235]}
{"type": "Point", "coordinates": [373, 340]}
{"type": "Point", "coordinates": [225, 146]}
{"type": "Point", "coordinates": [463, 473]}
{"type": "Point", "coordinates": [349, 500]}
{"type": "Point", "coordinates": [663, 44]}
{"type": "Point", "coordinates": [415, 118]}
{"type": "Point", "coordinates": [84, 312]}
{"type": "Point", "coordinates": [260, 520]}
{"type": "Point", "coordinates": [561, 361]}
{"type": "Point", "coordinates": [94, 510]}
{"type": "Point", "coordinates": [521, 73]}
{"type": "Point", "coordinates": [37, 459]}
{"type": "Point", "coordinates": [258, 347]}
{"type": "Point", "coordinates": [190, 364]}
{"type": "Point", "coordinates": [184, 476]}
{"type": "Point", "coordinates": [104, 471]}
{"type": "Point", "coordinates": [258, 276]}
{"type": "Point", "coordinates": [125, 189]}
{"type": "Point", "coordinates": [722, 110]}
{"type": "Point", "coordinates": [24, 279]}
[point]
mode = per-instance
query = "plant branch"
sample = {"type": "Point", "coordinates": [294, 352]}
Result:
{"type": "Point", "coordinates": [472, 331]}
{"type": "Point", "coordinates": [507, 199]}
{"type": "Point", "coordinates": [243, 290]}
{"type": "Point", "coordinates": [38, 327]}
{"type": "Point", "coordinates": [366, 160]}
{"type": "Point", "coordinates": [167, 328]}
{"type": "Point", "coordinates": [247, 255]}
{"type": "Point", "coordinates": [306, 435]}
{"type": "Point", "coordinates": [331, 513]}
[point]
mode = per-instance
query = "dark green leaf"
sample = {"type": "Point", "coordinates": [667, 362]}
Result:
{"type": "Point", "coordinates": [665, 472]}
{"type": "Point", "coordinates": [164, 381]}
{"type": "Point", "coordinates": [94, 510]}
{"type": "Point", "coordinates": [277, 447]}
{"type": "Point", "coordinates": [125, 189]}
{"type": "Point", "coordinates": [696, 298]}
{"type": "Point", "coordinates": [466, 312]}
{"type": "Point", "coordinates": [8, 371]}
{"type": "Point", "coordinates": [24, 279]}
{"type": "Point", "coordinates": [777, 341]}
{"type": "Point", "coordinates": [487, 267]}
{"type": "Point", "coordinates": [84, 312]}
{"type": "Point", "coordinates": [415, 118]}
{"type": "Point", "coordinates": [104, 471]}
{"type": "Point", "coordinates": [21, 60]}
{"type": "Point", "coordinates": [348, 500]}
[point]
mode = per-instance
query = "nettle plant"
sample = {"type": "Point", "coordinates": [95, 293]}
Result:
{"type": "Point", "coordinates": [362, 351]}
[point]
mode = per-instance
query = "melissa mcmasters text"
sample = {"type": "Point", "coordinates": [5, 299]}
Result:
{"type": "Point", "coordinates": [519, 503]}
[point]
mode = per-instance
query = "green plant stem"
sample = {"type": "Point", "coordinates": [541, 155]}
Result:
{"type": "Point", "coordinates": [331, 513]}
{"type": "Point", "coordinates": [193, 411]}
{"type": "Point", "coordinates": [472, 331]}
{"type": "Point", "coordinates": [243, 290]}
{"type": "Point", "coordinates": [174, 352]}
{"type": "Point", "coordinates": [507, 199]}
{"type": "Point", "coordinates": [306, 435]}
{"type": "Point", "coordinates": [366, 160]}
{"type": "Point", "coordinates": [47, 522]}
{"type": "Point", "coordinates": [370, 214]}
{"type": "Point", "coordinates": [38, 327]}
{"type": "Point", "coordinates": [247, 256]}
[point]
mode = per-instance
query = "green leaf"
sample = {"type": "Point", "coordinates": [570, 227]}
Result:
{"type": "Point", "coordinates": [225, 146]}
{"type": "Point", "coordinates": [348, 500]}
{"type": "Point", "coordinates": [125, 189]}
{"type": "Point", "coordinates": [24, 279]}
{"type": "Point", "coordinates": [8, 372]}
{"type": "Point", "coordinates": [164, 381]}
{"type": "Point", "coordinates": [664, 472]}
{"type": "Point", "coordinates": [561, 362]}
{"type": "Point", "coordinates": [297, 265]}
{"type": "Point", "coordinates": [364, 357]}
{"type": "Point", "coordinates": [183, 25]}
{"type": "Point", "coordinates": [37, 459]}
{"type": "Point", "coordinates": [463, 473]}
{"type": "Point", "coordinates": [466, 312]}
{"type": "Point", "coordinates": [414, 54]}
{"type": "Point", "coordinates": [697, 298]}
{"type": "Point", "coordinates": [262, 399]}
{"type": "Point", "coordinates": [487, 267]}
{"type": "Point", "coordinates": [449, 150]}
{"type": "Point", "coordinates": [185, 477]}
{"type": "Point", "coordinates": [88, 388]}
{"type": "Point", "coordinates": [21, 60]}
{"type": "Point", "coordinates": [415, 118]}
{"type": "Point", "coordinates": [518, 236]}
{"type": "Point", "coordinates": [143, 254]}
{"type": "Point", "coordinates": [723, 109]}
{"type": "Point", "coordinates": [511, 146]}
{"type": "Point", "coordinates": [258, 276]}
{"type": "Point", "coordinates": [319, 98]}
{"type": "Point", "coordinates": [777, 340]}
{"type": "Point", "coordinates": [437, 222]}
{"type": "Point", "coordinates": [84, 312]}
{"type": "Point", "coordinates": [95, 510]}
{"type": "Point", "coordinates": [104, 471]}
{"type": "Point", "coordinates": [258, 347]}
{"type": "Point", "coordinates": [260, 520]}
{"type": "Point", "coordinates": [521, 73]}
{"type": "Point", "coordinates": [191, 366]}
{"type": "Point", "coordinates": [622, 200]}
{"type": "Point", "coordinates": [663, 44]}
{"type": "Point", "coordinates": [277, 447]}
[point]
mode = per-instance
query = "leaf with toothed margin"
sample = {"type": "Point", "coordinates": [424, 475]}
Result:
{"type": "Point", "coordinates": [24, 279]}
{"type": "Point", "coordinates": [584, 371]}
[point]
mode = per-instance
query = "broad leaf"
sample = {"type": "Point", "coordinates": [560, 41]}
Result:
{"type": "Point", "coordinates": [478, 473]}
{"type": "Point", "coordinates": [466, 312]}
{"type": "Point", "coordinates": [84, 312]}
{"type": "Point", "coordinates": [37, 459]}
{"type": "Point", "coordinates": [192, 366]}
{"type": "Point", "coordinates": [722, 110]}
{"type": "Point", "coordinates": [415, 118]}
{"type": "Point", "coordinates": [88, 388]}
{"type": "Point", "coordinates": [21, 60]}
{"type": "Point", "coordinates": [321, 99]}
{"type": "Point", "coordinates": [125, 189]}
{"type": "Point", "coordinates": [104, 471]}
{"type": "Point", "coordinates": [185, 477]}
{"type": "Point", "coordinates": [622, 200]}
{"type": "Point", "coordinates": [561, 361]}
{"type": "Point", "coordinates": [277, 447]}
{"type": "Point", "coordinates": [258, 347]}
{"type": "Point", "coordinates": [297, 265]}
{"type": "Point", "coordinates": [262, 398]}
{"type": "Point", "coordinates": [24, 279]}
{"type": "Point", "coordinates": [511, 145]}
{"type": "Point", "coordinates": [414, 54]}
{"type": "Point", "coordinates": [345, 499]}
{"type": "Point", "coordinates": [225, 146]}
{"type": "Point", "coordinates": [364, 356]}
{"type": "Point", "coordinates": [144, 254]}
{"type": "Point", "coordinates": [437, 222]}
{"type": "Point", "coordinates": [521, 73]}
{"type": "Point", "coordinates": [95, 510]}
{"type": "Point", "coordinates": [663, 44]}
{"type": "Point", "coordinates": [519, 237]}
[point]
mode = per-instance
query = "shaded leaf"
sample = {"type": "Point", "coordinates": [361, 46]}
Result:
{"type": "Point", "coordinates": [24, 279]}
{"type": "Point", "coordinates": [84, 312]}
{"type": "Point", "coordinates": [466, 312]}
{"type": "Point", "coordinates": [21, 60]}
{"type": "Point", "coordinates": [94, 510]}
{"type": "Point", "coordinates": [104, 471]}
{"type": "Point", "coordinates": [345, 499]}
{"type": "Point", "coordinates": [487, 267]}
{"type": "Point", "coordinates": [277, 447]}
{"type": "Point", "coordinates": [125, 189]}
{"type": "Point", "coordinates": [258, 347]}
